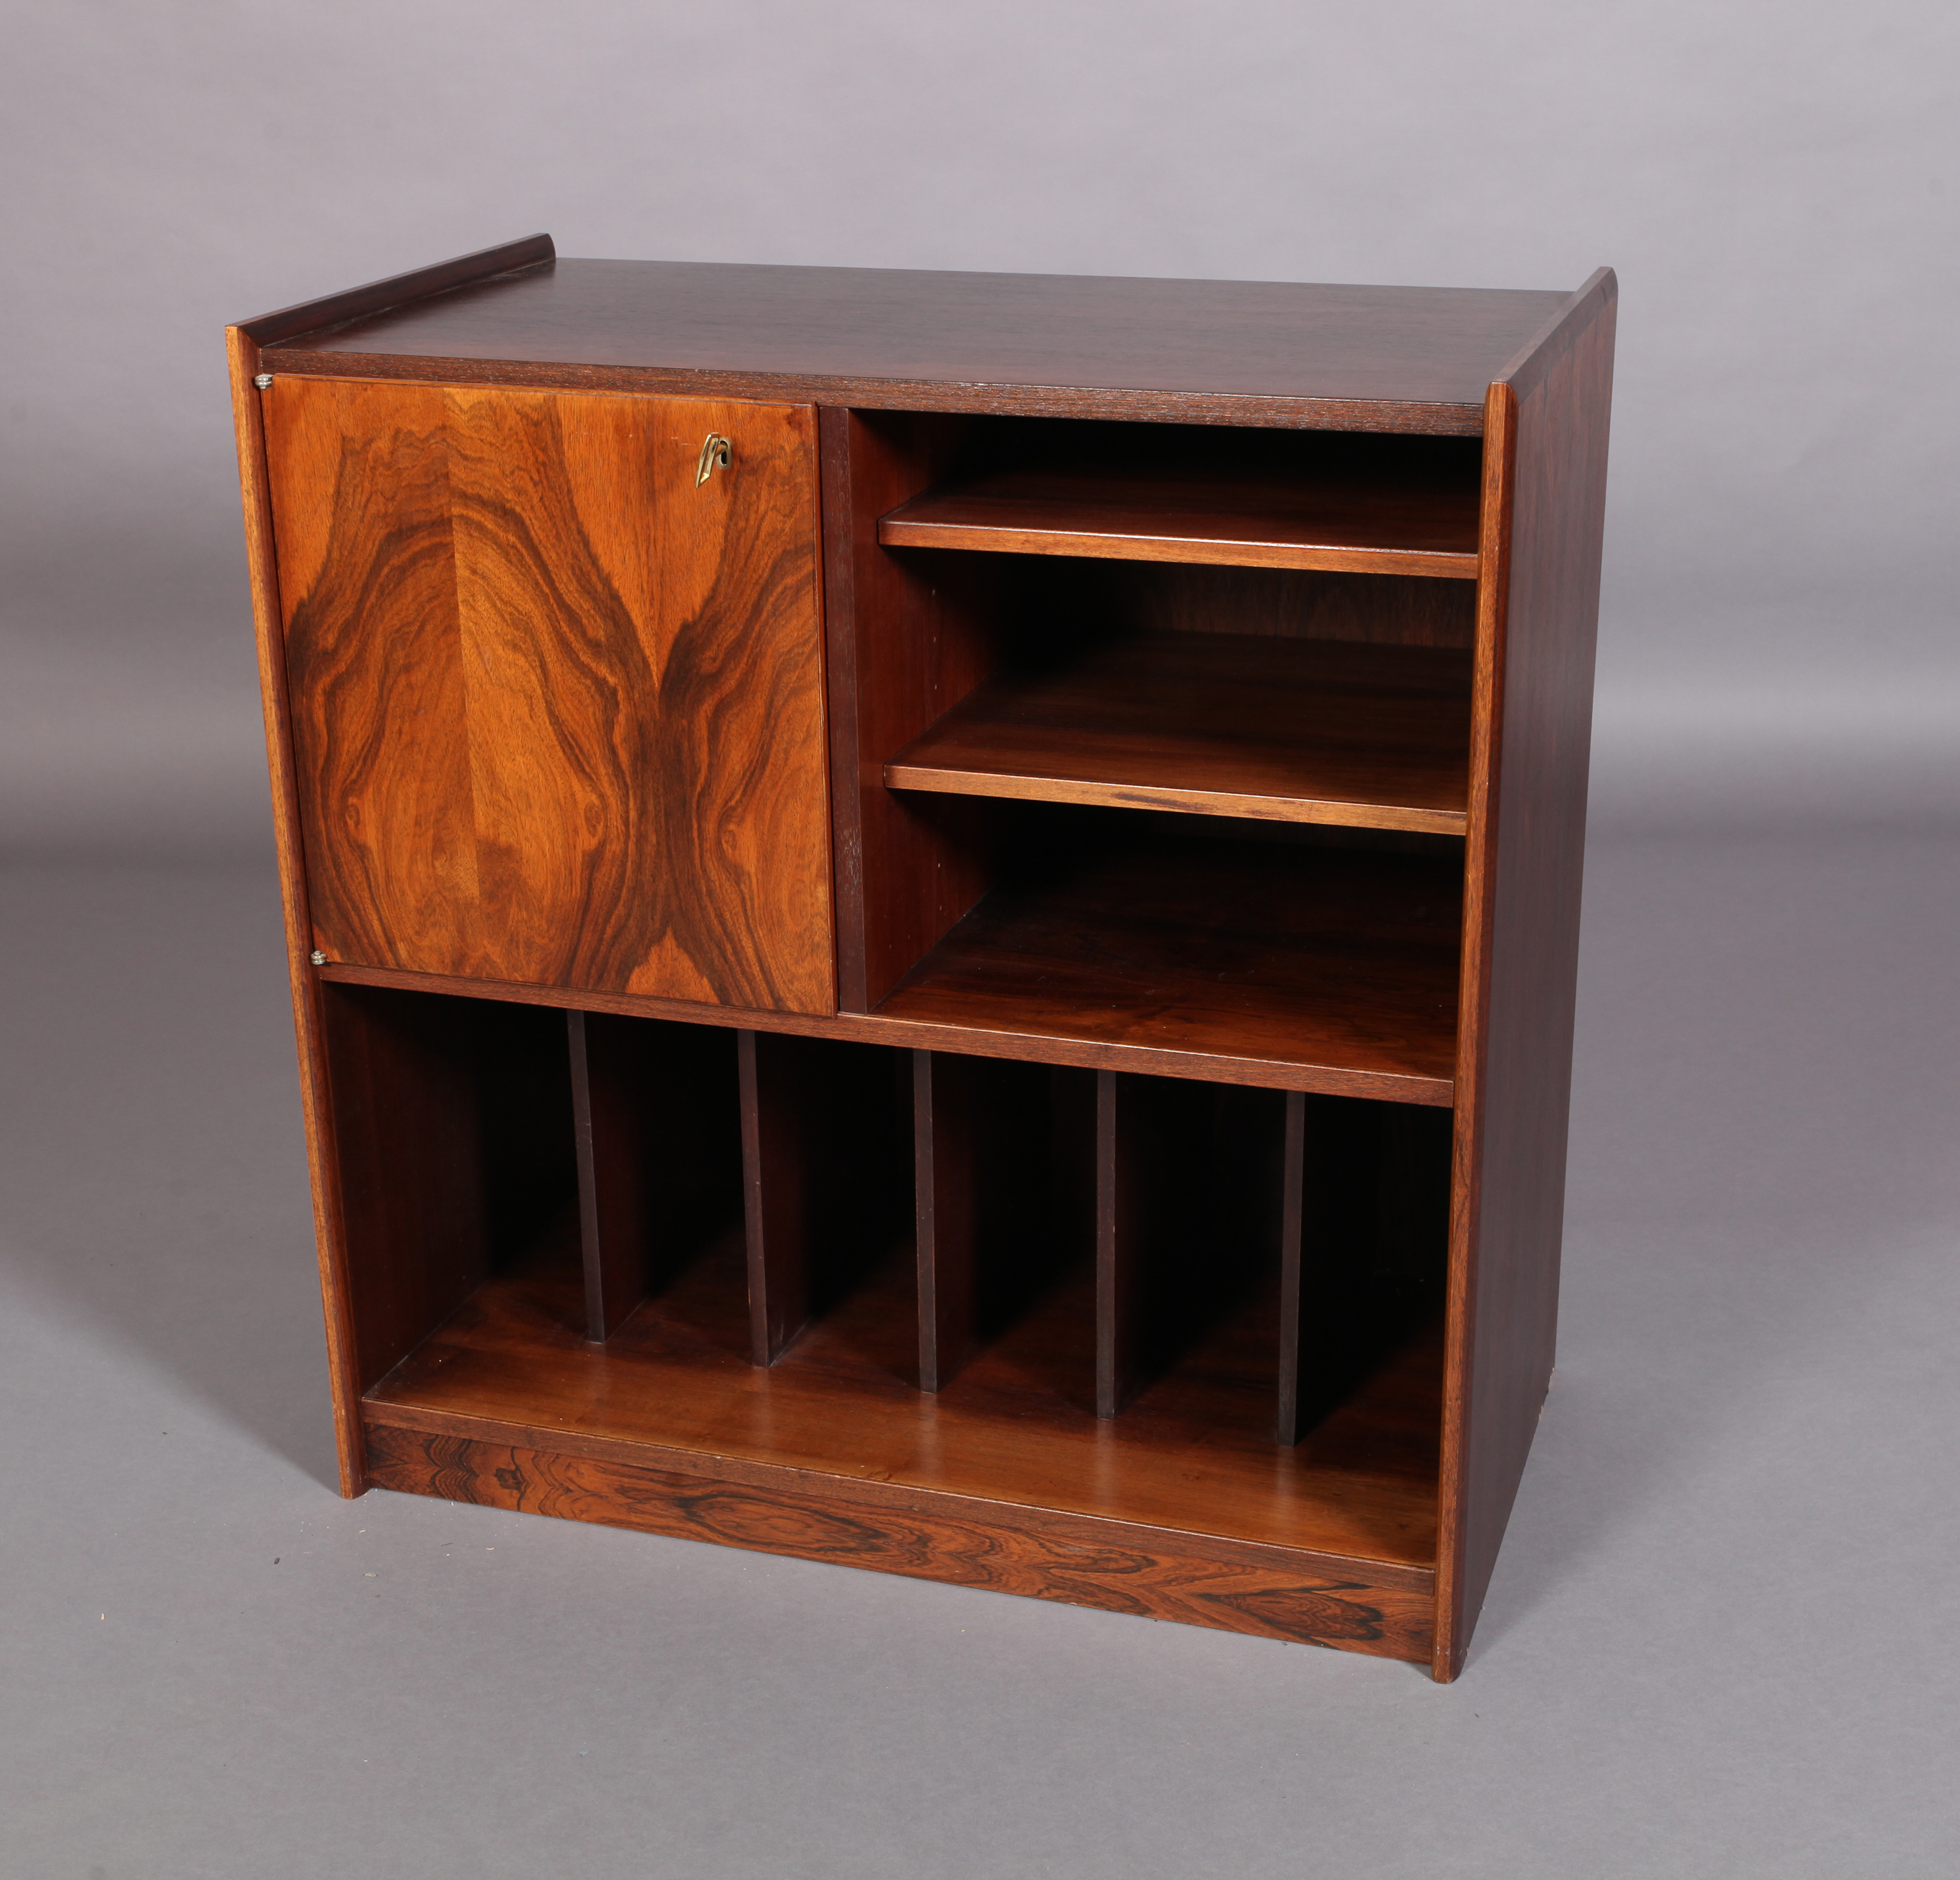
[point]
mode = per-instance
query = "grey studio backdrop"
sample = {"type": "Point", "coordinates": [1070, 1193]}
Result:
{"type": "Point", "coordinates": [1719, 1641]}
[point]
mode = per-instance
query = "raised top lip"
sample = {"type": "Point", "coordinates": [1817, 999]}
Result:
{"type": "Point", "coordinates": [839, 333]}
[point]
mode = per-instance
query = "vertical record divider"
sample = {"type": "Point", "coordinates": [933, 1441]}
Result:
{"type": "Point", "coordinates": [1149, 1131]}
{"type": "Point", "coordinates": [775, 1188]}
{"type": "Point", "coordinates": [985, 1202]}
{"type": "Point", "coordinates": [1364, 1212]}
{"type": "Point", "coordinates": [1118, 1206]}
{"type": "Point", "coordinates": [1293, 1227]}
{"type": "Point", "coordinates": [613, 1202]}
{"type": "Point", "coordinates": [1329, 1165]}
{"type": "Point", "coordinates": [652, 1108]}
{"type": "Point", "coordinates": [944, 1124]}
{"type": "Point", "coordinates": [826, 1177]}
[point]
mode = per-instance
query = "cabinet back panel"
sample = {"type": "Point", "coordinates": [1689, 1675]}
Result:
{"type": "Point", "coordinates": [557, 706]}
{"type": "Point", "coordinates": [1291, 603]}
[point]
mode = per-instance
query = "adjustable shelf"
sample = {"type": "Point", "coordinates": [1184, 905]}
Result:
{"type": "Point", "coordinates": [1291, 731]}
{"type": "Point", "coordinates": [1345, 964]}
{"type": "Point", "coordinates": [933, 917]}
{"type": "Point", "coordinates": [1387, 529]}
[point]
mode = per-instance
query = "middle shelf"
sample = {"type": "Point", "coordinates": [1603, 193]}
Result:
{"type": "Point", "coordinates": [1222, 725]}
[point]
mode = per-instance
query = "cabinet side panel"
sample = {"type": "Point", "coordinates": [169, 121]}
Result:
{"type": "Point", "coordinates": [247, 413]}
{"type": "Point", "coordinates": [1546, 433]}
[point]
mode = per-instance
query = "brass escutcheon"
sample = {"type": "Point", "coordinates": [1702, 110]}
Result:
{"type": "Point", "coordinates": [716, 453]}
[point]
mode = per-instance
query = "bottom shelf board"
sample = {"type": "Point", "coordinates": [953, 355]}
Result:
{"type": "Point", "coordinates": [1343, 963]}
{"type": "Point", "coordinates": [1193, 1459]}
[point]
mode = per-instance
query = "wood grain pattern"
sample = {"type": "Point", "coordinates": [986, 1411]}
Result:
{"type": "Point", "coordinates": [1546, 463]}
{"type": "Point", "coordinates": [1411, 359]}
{"type": "Point", "coordinates": [559, 712]}
{"type": "Point", "coordinates": [1343, 964]}
{"type": "Point", "coordinates": [1216, 724]}
{"type": "Point", "coordinates": [1351, 1606]}
{"type": "Point", "coordinates": [1347, 527]}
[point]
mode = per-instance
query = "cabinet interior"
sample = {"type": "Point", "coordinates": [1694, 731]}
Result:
{"type": "Point", "coordinates": [1130, 792]}
{"type": "Point", "coordinates": [1205, 795]}
{"type": "Point", "coordinates": [1192, 1370]}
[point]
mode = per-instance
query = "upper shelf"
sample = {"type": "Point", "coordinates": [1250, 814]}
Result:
{"type": "Point", "coordinates": [1378, 525]}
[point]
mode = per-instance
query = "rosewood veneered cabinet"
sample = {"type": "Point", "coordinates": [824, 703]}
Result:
{"type": "Point", "coordinates": [933, 916]}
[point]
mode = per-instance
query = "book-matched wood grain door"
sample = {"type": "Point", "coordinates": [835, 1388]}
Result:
{"type": "Point", "coordinates": [557, 687]}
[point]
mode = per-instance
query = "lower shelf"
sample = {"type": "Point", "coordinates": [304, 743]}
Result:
{"type": "Point", "coordinates": [1182, 1509]}
{"type": "Point", "coordinates": [1344, 962]}
{"type": "Point", "coordinates": [1149, 1344]}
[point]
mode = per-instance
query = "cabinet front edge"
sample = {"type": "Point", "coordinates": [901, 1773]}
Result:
{"type": "Point", "coordinates": [910, 1033]}
{"type": "Point", "coordinates": [1258, 411]}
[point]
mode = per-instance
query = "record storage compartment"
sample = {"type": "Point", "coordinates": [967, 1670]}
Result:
{"type": "Point", "coordinates": [1161, 1212]}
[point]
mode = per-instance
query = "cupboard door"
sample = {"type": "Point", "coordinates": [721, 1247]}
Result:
{"type": "Point", "coordinates": [556, 689]}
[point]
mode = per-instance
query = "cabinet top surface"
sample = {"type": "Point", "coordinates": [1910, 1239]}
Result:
{"type": "Point", "coordinates": [839, 333]}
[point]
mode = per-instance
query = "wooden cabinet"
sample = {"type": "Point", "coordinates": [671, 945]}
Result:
{"type": "Point", "coordinates": [933, 917]}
